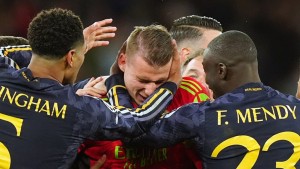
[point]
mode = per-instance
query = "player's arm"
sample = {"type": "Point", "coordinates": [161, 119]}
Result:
{"type": "Point", "coordinates": [99, 163]}
{"type": "Point", "coordinates": [118, 122]}
{"type": "Point", "coordinates": [111, 122]}
{"type": "Point", "coordinates": [121, 121]}
{"type": "Point", "coordinates": [182, 124]}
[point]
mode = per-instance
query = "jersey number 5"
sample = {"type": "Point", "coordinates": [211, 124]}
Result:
{"type": "Point", "coordinates": [5, 159]}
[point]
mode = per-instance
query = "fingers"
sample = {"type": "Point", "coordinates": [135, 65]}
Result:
{"type": "Point", "coordinates": [80, 92]}
{"type": "Point", "coordinates": [92, 83]}
{"type": "Point", "coordinates": [95, 34]}
{"type": "Point", "coordinates": [97, 44]}
{"type": "Point", "coordinates": [104, 36]}
{"type": "Point", "coordinates": [103, 33]}
{"type": "Point", "coordinates": [91, 79]}
{"type": "Point", "coordinates": [97, 25]}
{"type": "Point", "coordinates": [103, 22]}
{"type": "Point", "coordinates": [99, 163]}
{"type": "Point", "coordinates": [106, 29]}
{"type": "Point", "coordinates": [101, 84]}
{"type": "Point", "coordinates": [99, 30]}
{"type": "Point", "coordinates": [91, 91]}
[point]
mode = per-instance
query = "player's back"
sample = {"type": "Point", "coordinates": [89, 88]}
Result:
{"type": "Point", "coordinates": [38, 121]}
{"type": "Point", "coordinates": [253, 127]}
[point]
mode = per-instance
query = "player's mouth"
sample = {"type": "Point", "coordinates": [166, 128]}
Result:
{"type": "Point", "coordinates": [141, 98]}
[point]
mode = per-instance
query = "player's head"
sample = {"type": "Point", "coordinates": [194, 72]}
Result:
{"type": "Point", "coordinates": [57, 34]}
{"type": "Point", "coordinates": [147, 60]}
{"type": "Point", "coordinates": [193, 33]}
{"type": "Point", "coordinates": [230, 61]}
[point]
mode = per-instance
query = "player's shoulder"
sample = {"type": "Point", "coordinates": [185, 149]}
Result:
{"type": "Point", "coordinates": [9, 51]}
{"type": "Point", "coordinates": [20, 55]}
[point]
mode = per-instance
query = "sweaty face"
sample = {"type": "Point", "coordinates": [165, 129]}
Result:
{"type": "Point", "coordinates": [141, 79]}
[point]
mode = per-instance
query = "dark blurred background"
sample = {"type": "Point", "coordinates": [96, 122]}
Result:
{"type": "Point", "coordinates": [274, 25]}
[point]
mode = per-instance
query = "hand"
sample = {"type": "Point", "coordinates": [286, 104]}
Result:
{"type": "Point", "coordinates": [99, 163]}
{"type": "Point", "coordinates": [101, 84]}
{"type": "Point", "coordinates": [175, 71]}
{"type": "Point", "coordinates": [91, 88]}
{"type": "Point", "coordinates": [95, 33]}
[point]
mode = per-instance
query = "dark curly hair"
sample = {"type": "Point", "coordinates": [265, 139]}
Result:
{"type": "Point", "coordinates": [52, 33]}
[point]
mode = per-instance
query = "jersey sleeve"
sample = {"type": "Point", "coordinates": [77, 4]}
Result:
{"type": "Point", "coordinates": [184, 123]}
{"type": "Point", "coordinates": [7, 62]}
{"type": "Point", "coordinates": [118, 121]}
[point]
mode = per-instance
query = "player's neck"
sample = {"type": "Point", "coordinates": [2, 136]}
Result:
{"type": "Point", "coordinates": [44, 68]}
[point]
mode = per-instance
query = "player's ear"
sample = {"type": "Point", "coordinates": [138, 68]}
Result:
{"type": "Point", "coordinates": [222, 72]}
{"type": "Point", "coordinates": [184, 54]}
{"type": "Point", "coordinates": [69, 58]}
{"type": "Point", "coordinates": [122, 61]}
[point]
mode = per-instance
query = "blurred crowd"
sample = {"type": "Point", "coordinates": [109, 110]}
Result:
{"type": "Point", "coordinates": [273, 25]}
